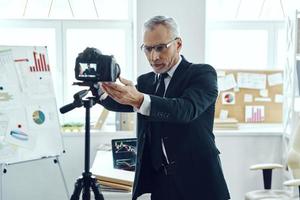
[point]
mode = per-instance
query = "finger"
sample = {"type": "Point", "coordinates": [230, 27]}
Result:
{"type": "Point", "coordinates": [125, 81]}
{"type": "Point", "coordinates": [112, 92]}
{"type": "Point", "coordinates": [116, 87]}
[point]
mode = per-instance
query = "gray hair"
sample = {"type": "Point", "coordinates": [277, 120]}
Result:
{"type": "Point", "coordinates": [168, 22]}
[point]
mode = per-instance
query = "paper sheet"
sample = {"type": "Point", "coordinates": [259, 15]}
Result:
{"type": "Point", "coordinates": [221, 73]}
{"type": "Point", "coordinates": [264, 93]}
{"type": "Point", "coordinates": [223, 114]}
{"type": "Point", "coordinates": [226, 83]}
{"type": "Point", "coordinates": [254, 114]}
{"type": "Point", "coordinates": [275, 79]}
{"type": "Point", "coordinates": [278, 98]}
{"type": "Point", "coordinates": [262, 99]}
{"type": "Point", "coordinates": [251, 80]}
{"type": "Point", "coordinates": [248, 98]}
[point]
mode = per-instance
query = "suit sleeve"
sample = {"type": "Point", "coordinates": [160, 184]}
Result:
{"type": "Point", "coordinates": [200, 93]}
{"type": "Point", "coordinates": [112, 105]}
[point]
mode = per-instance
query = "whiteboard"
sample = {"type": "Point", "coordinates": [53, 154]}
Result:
{"type": "Point", "coordinates": [29, 125]}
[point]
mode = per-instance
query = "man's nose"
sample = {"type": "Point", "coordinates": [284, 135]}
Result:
{"type": "Point", "coordinates": [154, 55]}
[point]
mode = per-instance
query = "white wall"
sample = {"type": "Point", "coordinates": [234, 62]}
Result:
{"type": "Point", "coordinates": [190, 16]}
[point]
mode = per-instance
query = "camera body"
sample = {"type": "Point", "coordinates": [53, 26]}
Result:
{"type": "Point", "coordinates": [92, 66]}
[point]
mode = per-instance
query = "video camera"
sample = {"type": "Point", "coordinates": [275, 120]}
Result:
{"type": "Point", "coordinates": [92, 67]}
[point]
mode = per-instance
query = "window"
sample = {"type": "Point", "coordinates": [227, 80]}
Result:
{"type": "Point", "coordinates": [112, 40]}
{"type": "Point", "coordinates": [247, 34]}
{"type": "Point", "coordinates": [245, 45]}
{"type": "Point", "coordinates": [106, 25]}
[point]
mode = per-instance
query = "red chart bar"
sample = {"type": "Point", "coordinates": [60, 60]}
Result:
{"type": "Point", "coordinates": [42, 63]}
{"type": "Point", "coordinates": [21, 60]}
{"type": "Point", "coordinates": [46, 65]}
{"type": "Point", "coordinates": [35, 61]}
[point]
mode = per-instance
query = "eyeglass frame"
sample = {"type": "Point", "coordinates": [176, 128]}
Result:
{"type": "Point", "coordinates": [165, 46]}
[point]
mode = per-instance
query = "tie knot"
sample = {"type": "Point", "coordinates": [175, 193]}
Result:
{"type": "Point", "coordinates": [163, 76]}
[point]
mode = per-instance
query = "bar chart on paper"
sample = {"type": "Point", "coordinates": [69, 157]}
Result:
{"type": "Point", "coordinates": [254, 114]}
{"type": "Point", "coordinates": [40, 64]}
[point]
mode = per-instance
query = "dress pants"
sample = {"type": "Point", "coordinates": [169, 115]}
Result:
{"type": "Point", "coordinates": [165, 187]}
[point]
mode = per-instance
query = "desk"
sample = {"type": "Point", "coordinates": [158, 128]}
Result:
{"type": "Point", "coordinates": [103, 164]}
{"type": "Point", "coordinates": [123, 196]}
{"type": "Point", "coordinates": [241, 148]}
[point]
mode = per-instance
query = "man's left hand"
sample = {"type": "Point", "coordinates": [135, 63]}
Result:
{"type": "Point", "coordinates": [124, 94]}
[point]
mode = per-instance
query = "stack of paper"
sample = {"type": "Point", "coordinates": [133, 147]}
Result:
{"type": "Point", "coordinates": [111, 179]}
{"type": "Point", "coordinates": [229, 123]}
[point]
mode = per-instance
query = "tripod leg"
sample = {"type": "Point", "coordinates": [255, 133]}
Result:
{"type": "Point", "coordinates": [77, 189]}
{"type": "Point", "coordinates": [86, 193]}
{"type": "Point", "coordinates": [96, 189]}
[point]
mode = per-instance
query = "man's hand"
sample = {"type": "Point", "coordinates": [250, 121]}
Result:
{"type": "Point", "coordinates": [124, 94]}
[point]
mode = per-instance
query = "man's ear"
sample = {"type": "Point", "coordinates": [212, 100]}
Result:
{"type": "Point", "coordinates": [179, 44]}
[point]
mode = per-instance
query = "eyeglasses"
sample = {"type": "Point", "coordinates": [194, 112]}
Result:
{"type": "Point", "coordinates": [157, 48]}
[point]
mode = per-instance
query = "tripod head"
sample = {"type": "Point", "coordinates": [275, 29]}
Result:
{"type": "Point", "coordinates": [78, 97]}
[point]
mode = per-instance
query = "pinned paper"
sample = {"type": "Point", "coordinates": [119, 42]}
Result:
{"type": "Point", "coordinates": [236, 89]}
{"type": "Point", "coordinates": [223, 114]}
{"type": "Point", "coordinates": [248, 98]}
{"type": "Point", "coordinates": [278, 98]}
{"type": "Point", "coordinates": [254, 114]}
{"type": "Point", "coordinates": [226, 83]}
{"type": "Point", "coordinates": [228, 98]}
{"type": "Point", "coordinates": [262, 99]}
{"type": "Point", "coordinates": [275, 79]}
{"type": "Point", "coordinates": [251, 80]}
{"type": "Point", "coordinates": [263, 93]}
{"type": "Point", "coordinates": [221, 73]}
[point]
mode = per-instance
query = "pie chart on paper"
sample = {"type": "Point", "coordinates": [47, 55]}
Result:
{"type": "Point", "coordinates": [38, 117]}
{"type": "Point", "coordinates": [228, 98]}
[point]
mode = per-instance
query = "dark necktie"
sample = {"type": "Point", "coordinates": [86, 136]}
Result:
{"type": "Point", "coordinates": [161, 87]}
{"type": "Point", "coordinates": [156, 128]}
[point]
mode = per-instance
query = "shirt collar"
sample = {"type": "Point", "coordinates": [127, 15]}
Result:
{"type": "Point", "coordinates": [172, 70]}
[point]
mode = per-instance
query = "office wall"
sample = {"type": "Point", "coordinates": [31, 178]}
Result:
{"type": "Point", "coordinates": [190, 16]}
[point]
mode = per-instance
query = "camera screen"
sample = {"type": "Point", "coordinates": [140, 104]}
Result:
{"type": "Point", "coordinates": [87, 70]}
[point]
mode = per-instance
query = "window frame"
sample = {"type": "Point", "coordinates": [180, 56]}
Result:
{"type": "Point", "coordinates": [272, 28]}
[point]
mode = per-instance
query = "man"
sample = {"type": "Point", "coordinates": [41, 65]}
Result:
{"type": "Point", "coordinates": [177, 158]}
{"type": "Point", "coordinates": [89, 70]}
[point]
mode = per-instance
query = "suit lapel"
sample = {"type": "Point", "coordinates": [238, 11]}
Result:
{"type": "Point", "coordinates": [150, 84]}
{"type": "Point", "coordinates": [178, 74]}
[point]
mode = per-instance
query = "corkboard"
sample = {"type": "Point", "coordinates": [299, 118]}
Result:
{"type": "Point", "coordinates": [273, 111]}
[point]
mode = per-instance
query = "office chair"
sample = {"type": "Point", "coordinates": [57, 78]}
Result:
{"type": "Point", "coordinates": [293, 162]}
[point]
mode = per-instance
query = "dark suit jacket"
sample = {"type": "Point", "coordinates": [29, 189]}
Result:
{"type": "Point", "coordinates": [186, 114]}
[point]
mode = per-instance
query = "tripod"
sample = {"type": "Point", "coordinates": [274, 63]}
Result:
{"type": "Point", "coordinates": [86, 181]}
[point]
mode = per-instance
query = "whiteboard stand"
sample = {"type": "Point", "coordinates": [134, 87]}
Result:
{"type": "Point", "coordinates": [3, 171]}
{"type": "Point", "coordinates": [56, 161]}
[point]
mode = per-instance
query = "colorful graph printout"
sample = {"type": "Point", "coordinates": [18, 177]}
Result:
{"type": "Point", "coordinates": [38, 117]}
{"type": "Point", "coordinates": [254, 114]}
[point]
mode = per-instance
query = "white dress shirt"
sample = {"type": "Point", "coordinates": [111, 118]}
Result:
{"type": "Point", "coordinates": [146, 105]}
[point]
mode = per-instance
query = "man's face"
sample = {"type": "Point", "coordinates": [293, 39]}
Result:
{"type": "Point", "coordinates": [161, 49]}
